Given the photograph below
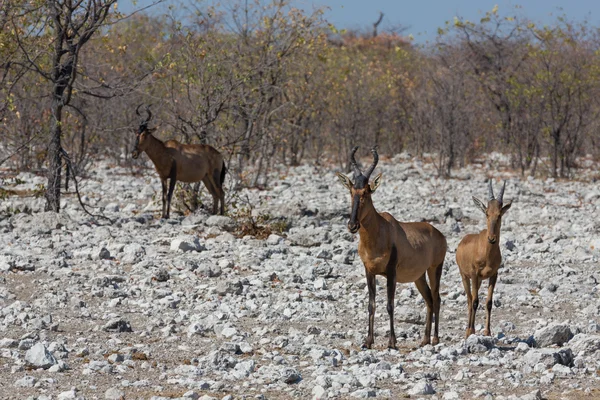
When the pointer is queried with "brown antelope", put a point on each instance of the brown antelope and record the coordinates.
(400, 251)
(478, 256)
(181, 162)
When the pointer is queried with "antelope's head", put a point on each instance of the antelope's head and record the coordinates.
(494, 211)
(142, 133)
(361, 189)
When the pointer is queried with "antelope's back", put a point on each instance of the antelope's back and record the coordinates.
(425, 238)
(194, 161)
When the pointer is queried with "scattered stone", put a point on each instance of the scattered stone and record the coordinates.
(553, 334)
(114, 394)
(421, 388)
(117, 325)
(39, 357)
(187, 243)
(26, 381)
(479, 344)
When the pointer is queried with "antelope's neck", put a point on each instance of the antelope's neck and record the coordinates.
(370, 223)
(155, 150)
(492, 251)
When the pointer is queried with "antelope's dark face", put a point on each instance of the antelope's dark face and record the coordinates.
(142, 133)
(360, 194)
(360, 190)
(494, 211)
(141, 141)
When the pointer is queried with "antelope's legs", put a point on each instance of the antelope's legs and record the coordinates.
(219, 187)
(489, 303)
(195, 192)
(172, 182)
(475, 285)
(391, 292)
(371, 285)
(421, 284)
(467, 284)
(210, 185)
(435, 277)
(164, 198)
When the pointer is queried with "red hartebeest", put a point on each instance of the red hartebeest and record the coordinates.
(181, 162)
(400, 251)
(478, 256)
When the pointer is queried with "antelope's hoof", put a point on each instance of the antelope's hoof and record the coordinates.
(487, 333)
(435, 341)
(469, 332)
(424, 342)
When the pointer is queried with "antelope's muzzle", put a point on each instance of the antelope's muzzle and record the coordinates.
(353, 224)
(492, 239)
(135, 154)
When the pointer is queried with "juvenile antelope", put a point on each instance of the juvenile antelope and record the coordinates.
(181, 162)
(478, 256)
(400, 251)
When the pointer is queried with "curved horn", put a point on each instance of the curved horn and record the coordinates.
(137, 110)
(149, 113)
(375, 161)
(501, 193)
(490, 191)
(353, 162)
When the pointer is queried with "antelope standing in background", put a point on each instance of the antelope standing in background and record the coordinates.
(400, 251)
(478, 256)
(181, 162)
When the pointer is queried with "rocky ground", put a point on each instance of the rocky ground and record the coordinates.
(216, 307)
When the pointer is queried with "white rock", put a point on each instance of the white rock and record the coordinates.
(553, 334)
(38, 356)
(26, 381)
(421, 388)
(319, 393)
(187, 243)
(114, 393)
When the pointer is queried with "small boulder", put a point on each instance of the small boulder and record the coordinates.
(114, 393)
(117, 325)
(421, 388)
(554, 334)
(38, 356)
(479, 344)
(187, 243)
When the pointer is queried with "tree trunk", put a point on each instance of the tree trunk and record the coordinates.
(54, 159)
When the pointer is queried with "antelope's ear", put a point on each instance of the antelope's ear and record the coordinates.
(376, 182)
(345, 180)
(480, 204)
(505, 207)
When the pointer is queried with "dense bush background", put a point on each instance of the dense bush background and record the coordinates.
(269, 84)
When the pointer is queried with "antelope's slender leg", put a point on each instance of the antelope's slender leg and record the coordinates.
(371, 285)
(475, 285)
(164, 198)
(435, 276)
(391, 293)
(467, 284)
(195, 192)
(172, 182)
(489, 303)
(210, 185)
(219, 187)
(421, 284)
